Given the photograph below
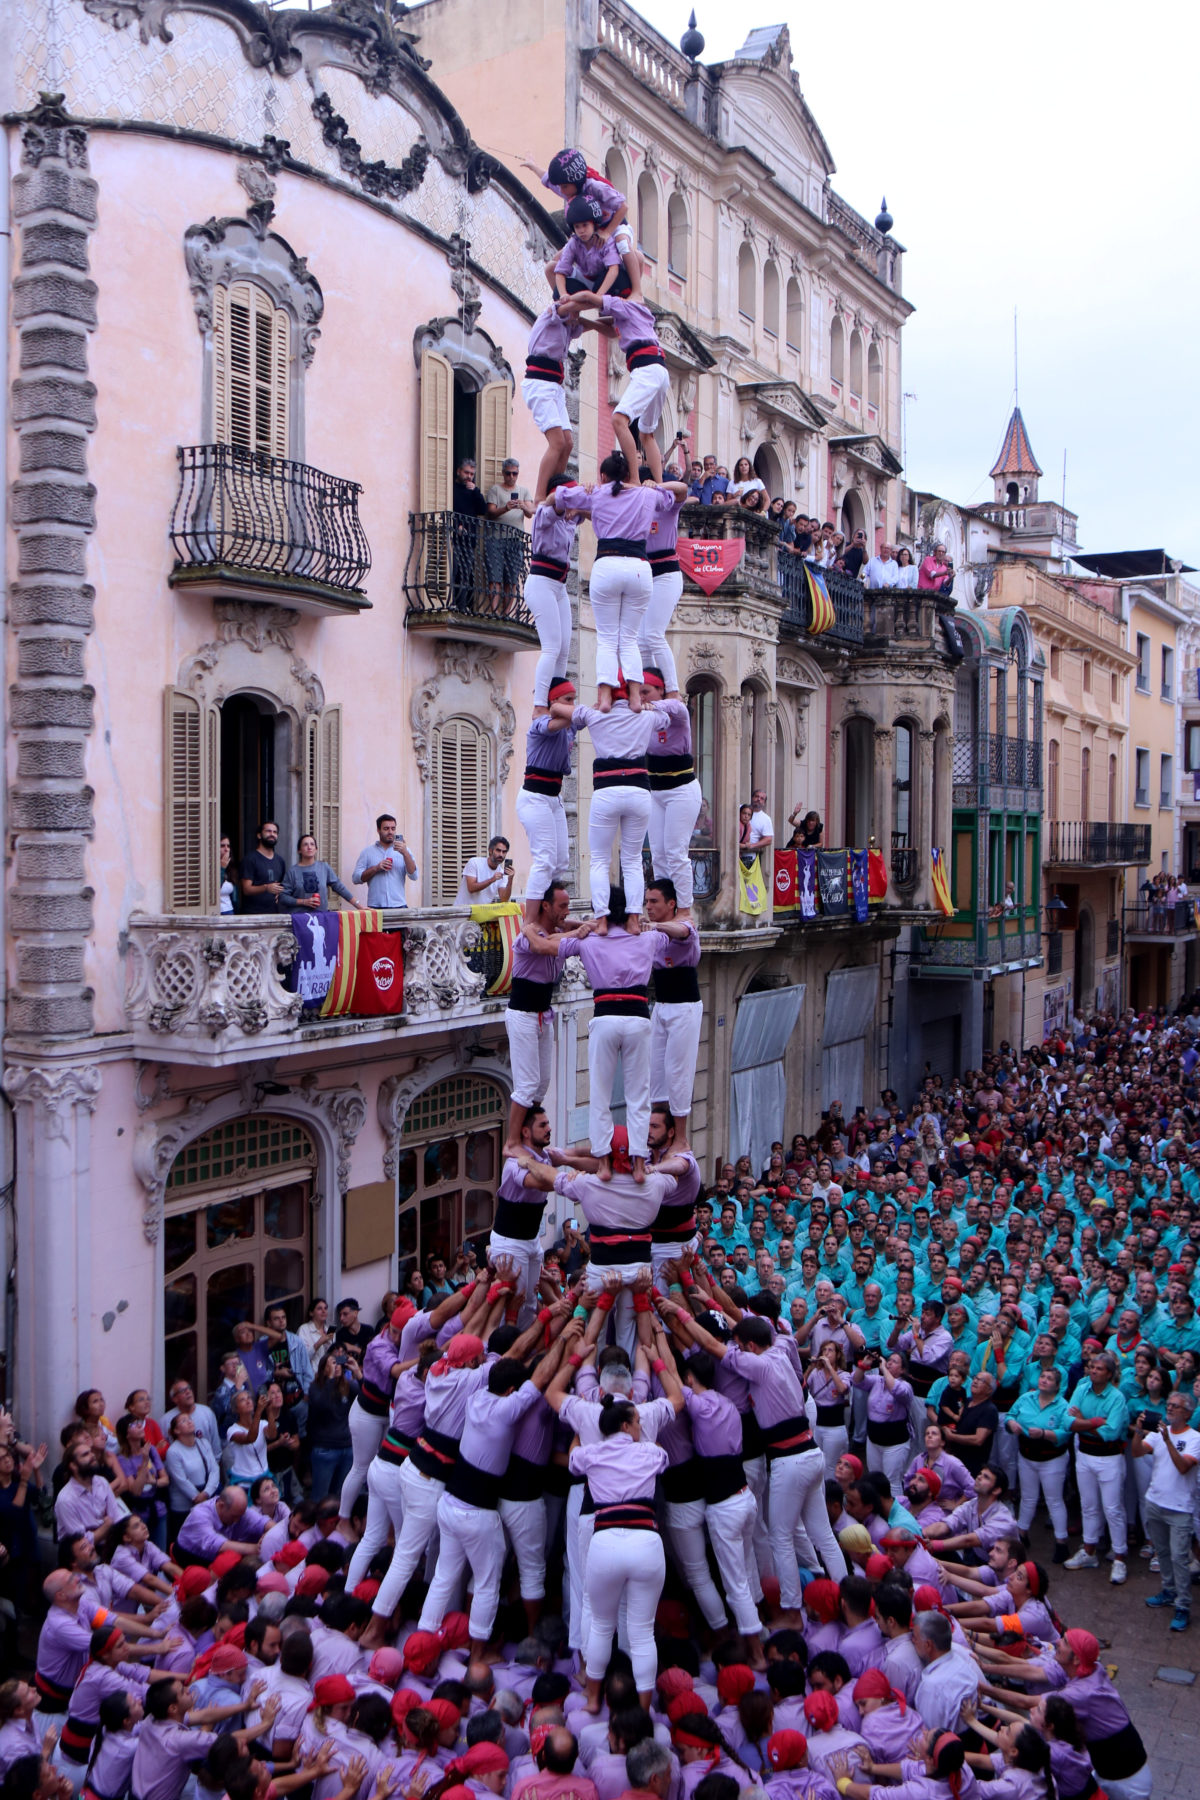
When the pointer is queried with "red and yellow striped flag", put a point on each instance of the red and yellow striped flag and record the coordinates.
(501, 922)
(822, 606)
(941, 885)
(351, 926)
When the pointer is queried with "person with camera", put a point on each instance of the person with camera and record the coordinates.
(386, 865)
(487, 879)
(889, 1398)
(307, 883)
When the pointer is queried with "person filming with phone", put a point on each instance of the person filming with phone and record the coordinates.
(487, 879)
(386, 865)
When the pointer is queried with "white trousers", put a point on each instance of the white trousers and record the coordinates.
(661, 1254)
(1048, 1478)
(673, 815)
(731, 1526)
(525, 1254)
(689, 1552)
(629, 1567)
(834, 1441)
(674, 1050)
(531, 1053)
(890, 1460)
(420, 1507)
(664, 598)
(385, 1512)
(550, 605)
(1133, 1787)
(619, 589)
(525, 1523)
(574, 1584)
(472, 1537)
(622, 1315)
(544, 821)
(798, 1522)
(366, 1435)
(629, 1039)
(1102, 1497)
(622, 812)
(756, 1475)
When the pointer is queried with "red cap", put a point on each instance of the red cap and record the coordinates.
(225, 1563)
(314, 1581)
(421, 1650)
(192, 1582)
(620, 1151)
(332, 1690)
(456, 1631)
(734, 1682)
(821, 1711)
(228, 1659)
(787, 1749)
(290, 1556)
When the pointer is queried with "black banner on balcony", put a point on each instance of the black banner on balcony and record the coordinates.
(831, 879)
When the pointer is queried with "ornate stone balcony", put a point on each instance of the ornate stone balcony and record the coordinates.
(211, 991)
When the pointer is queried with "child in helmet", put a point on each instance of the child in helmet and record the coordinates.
(570, 177)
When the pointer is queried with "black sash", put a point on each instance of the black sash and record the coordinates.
(664, 562)
(542, 781)
(621, 1003)
(630, 1515)
(674, 771)
(886, 1432)
(530, 996)
(676, 987)
(523, 1480)
(611, 1250)
(1098, 1446)
(395, 1447)
(543, 368)
(434, 1454)
(374, 1401)
(674, 1224)
(1118, 1757)
(640, 354)
(721, 1477)
(474, 1487)
(631, 547)
(787, 1437)
(518, 1218)
(549, 566)
(614, 771)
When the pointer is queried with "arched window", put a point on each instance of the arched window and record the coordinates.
(616, 172)
(647, 209)
(1052, 780)
(1112, 790)
(837, 351)
(702, 700)
(1085, 786)
(747, 282)
(859, 740)
(795, 314)
(251, 369)
(771, 299)
(856, 364)
(447, 1167)
(677, 235)
(461, 780)
(874, 376)
(902, 790)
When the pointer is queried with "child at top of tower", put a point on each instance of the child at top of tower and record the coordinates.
(569, 176)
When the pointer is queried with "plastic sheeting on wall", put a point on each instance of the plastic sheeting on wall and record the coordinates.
(757, 1113)
(850, 1000)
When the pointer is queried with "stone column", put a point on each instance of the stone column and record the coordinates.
(53, 1106)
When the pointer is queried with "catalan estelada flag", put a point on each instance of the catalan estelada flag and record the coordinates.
(822, 606)
(326, 963)
(941, 883)
(501, 922)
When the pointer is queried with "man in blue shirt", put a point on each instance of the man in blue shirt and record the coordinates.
(386, 865)
(710, 483)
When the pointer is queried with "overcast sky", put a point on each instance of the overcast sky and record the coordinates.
(1041, 157)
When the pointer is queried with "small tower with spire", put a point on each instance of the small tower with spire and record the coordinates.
(1015, 471)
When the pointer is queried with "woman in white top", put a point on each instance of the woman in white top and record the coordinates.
(315, 1334)
(907, 578)
(744, 479)
(246, 1439)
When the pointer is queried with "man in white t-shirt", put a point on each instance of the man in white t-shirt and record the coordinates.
(762, 831)
(486, 879)
(1170, 1503)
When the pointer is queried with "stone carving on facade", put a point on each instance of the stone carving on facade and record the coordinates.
(192, 980)
(346, 1110)
(731, 714)
(260, 191)
(398, 1092)
(222, 251)
(155, 1147)
(470, 295)
(469, 666)
(802, 700)
(160, 1085)
(650, 158)
(265, 631)
(620, 134)
(150, 16)
(703, 657)
(54, 1092)
(375, 178)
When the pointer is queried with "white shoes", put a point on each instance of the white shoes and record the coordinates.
(1119, 1572)
(1082, 1559)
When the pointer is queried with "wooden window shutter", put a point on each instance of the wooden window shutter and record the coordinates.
(323, 784)
(221, 426)
(281, 349)
(437, 432)
(191, 786)
(492, 417)
(461, 803)
(251, 370)
(241, 366)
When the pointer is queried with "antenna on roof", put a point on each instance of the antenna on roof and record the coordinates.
(1064, 493)
(1016, 377)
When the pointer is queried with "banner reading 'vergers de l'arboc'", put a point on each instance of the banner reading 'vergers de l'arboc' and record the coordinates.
(709, 560)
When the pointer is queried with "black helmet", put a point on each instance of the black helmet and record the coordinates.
(570, 167)
(582, 211)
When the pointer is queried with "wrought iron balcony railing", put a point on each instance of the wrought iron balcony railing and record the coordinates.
(845, 593)
(1094, 844)
(1160, 918)
(468, 574)
(246, 521)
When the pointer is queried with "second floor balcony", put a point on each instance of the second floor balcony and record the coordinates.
(465, 577)
(1158, 920)
(213, 991)
(250, 526)
(846, 596)
(985, 761)
(1096, 844)
(954, 946)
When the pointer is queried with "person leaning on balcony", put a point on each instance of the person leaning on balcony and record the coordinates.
(385, 865)
(487, 879)
(762, 832)
(936, 573)
(906, 569)
(705, 486)
(882, 571)
(307, 882)
(508, 503)
(806, 832)
(230, 886)
(262, 872)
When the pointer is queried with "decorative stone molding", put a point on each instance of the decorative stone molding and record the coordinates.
(222, 667)
(731, 714)
(651, 159)
(703, 657)
(374, 178)
(222, 251)
(192, 982)
(54, 1091)
(455, 690)
(53, 410)
(398, 1092)
(465, 347)
(346, 1110)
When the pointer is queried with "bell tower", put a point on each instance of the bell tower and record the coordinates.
(1015, 471)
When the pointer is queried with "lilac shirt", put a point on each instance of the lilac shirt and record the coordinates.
(553, 536)
(892, 1735)
(609, 199)
(620, 959)
(97, 1681)
(538, 965)
(491, 1425)
(958, 1483)
(716, 1423)
(408, 1404)
(135, 1564)
(164, 1758)
(883, 1407)
(629, 513)
(587, 258)
(997, 1522)
(618, 1469)
(381, 1353)
(552, 335)
(664, 532)
(672, 736)
(1098, 1706)
(935, 1355)
(80, 1508)
(633, 319)
(20, 1737)
(203, 1534)
(774, 1384)
(549, 750)
(447, 1396)
(620, 732)
(619, 1204)
(512, 1179)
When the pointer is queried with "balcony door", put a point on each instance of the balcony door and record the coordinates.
(448, 1169)
(859, 782)
(250, 731)
(463, 417)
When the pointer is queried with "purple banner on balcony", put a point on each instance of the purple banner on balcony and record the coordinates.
(859, 882)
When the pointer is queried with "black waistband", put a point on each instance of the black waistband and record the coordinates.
(676, 987)
(530, 996)
(434, 1454)
(631, 547)
(395, 1447)
(886, 1432)
(644, 351)
(521, 1219)
(537, 369)
(76, 1738)
(612, 1249)
(630, 1515)
(1117, 1757)
(675, 771)
(373, 1401)
(549, 566)
(523, 1480)
(663, 561)
(618, 771)
(678, 1482)
(787, 1437)
(1098, 1446)
(54, 1695)
(1040, 1450)
(474, 1487)
(621, 1003)
(832, 1415)
(721, 1477)
(543, 781)
(752, 1437)
(674, 1224)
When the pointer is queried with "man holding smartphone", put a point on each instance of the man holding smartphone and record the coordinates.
(510, 504)
(487, 879)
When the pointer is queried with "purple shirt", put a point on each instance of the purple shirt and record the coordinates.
(609, 199)
(587, 258)
(620, 959)
(862, 1647)
(774, 1384)
(935, 1355)
(164, 1758)
(629, 513)
(634, 322)
(203, 1534)
(552, 335)
(664, 532)
(533, 1441)
(958, 1483)
(20, 1737)
(618, 1471)
(491, 1425)
(883, 1407)
(997, 1522)
(619, 733)
(892, 1735)
(135, 1564)
(381, 1353)
(672, 736)
(552, 535)
(619, 1204)
(447, 1396)
(539, 965)
(84, 1508)
(550, 750)
(716, 1423)
(97, 1681)
(902, 1666)
(408, 1404)
(1098, 1706)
